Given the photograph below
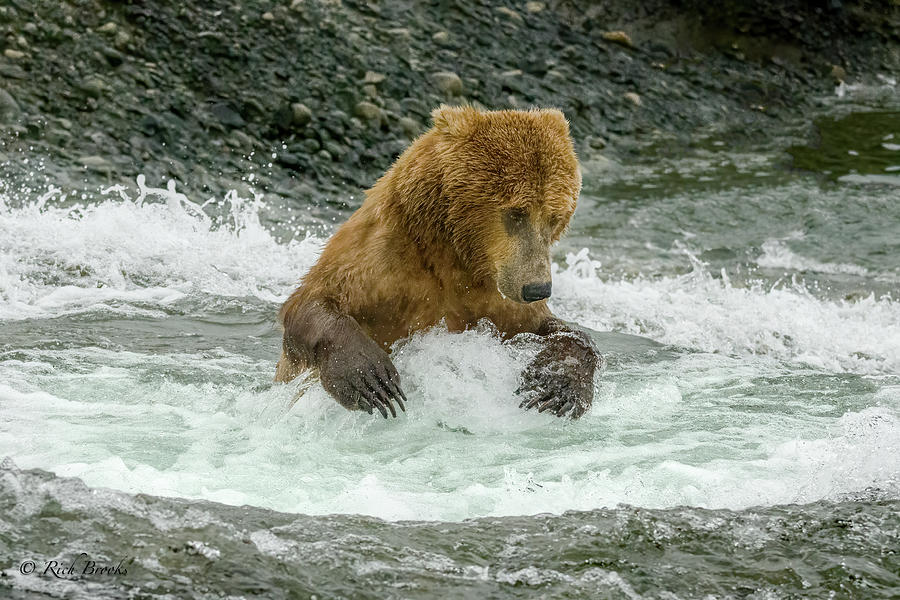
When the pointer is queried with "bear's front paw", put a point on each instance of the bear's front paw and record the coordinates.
(363, 379)
(561, 377)
(556, 388)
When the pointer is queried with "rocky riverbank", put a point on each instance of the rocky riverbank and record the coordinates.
(310, 99)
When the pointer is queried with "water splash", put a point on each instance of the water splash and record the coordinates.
(57, 258)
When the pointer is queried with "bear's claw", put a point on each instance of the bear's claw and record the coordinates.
(364, 379)
(560, 378)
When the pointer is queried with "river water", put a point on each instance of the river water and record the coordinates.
(744, 440)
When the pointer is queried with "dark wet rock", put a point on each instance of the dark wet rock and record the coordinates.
(838, 73)
(226, 114)
(95, 163)
(289, 159)
(300, 114)
(93, 87)
(311, 146)
(448, 82)
(215, 81)
(58, 137)
(113, 56)
(409, 126)
(9, 108)
(368, 111)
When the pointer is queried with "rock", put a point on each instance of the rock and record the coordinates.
(633, 98)
(92, 87)
(368, 111)
(596, 142)
(300, 114)
(556, 74)
(288, 159)
(410, 127)
(58, 137)
(838, 73)
(441, 37)
(95, 163)
(226, 115)
(448, 82)
(267, 16)
(311, 145)
(9, 108)
(108, 28)
(239, 139)
(618, 37)
(113, 56)
(535, 7)
(400, 32)
(333, 149)
(123, 38)
(373, 77)
(149, 124)
(508, 12)
(370, 90)
(13, 54)
(597, 163)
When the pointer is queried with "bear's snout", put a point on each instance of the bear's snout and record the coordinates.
(532, 292)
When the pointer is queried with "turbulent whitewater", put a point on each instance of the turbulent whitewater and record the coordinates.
(743, 370)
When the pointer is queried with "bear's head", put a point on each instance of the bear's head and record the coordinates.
(509, 181)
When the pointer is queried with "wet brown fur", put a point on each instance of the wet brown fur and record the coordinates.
(429, 242)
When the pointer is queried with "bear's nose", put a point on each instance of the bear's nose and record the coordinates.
(532, 292)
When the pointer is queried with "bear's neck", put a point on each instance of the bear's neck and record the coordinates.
(408, 199)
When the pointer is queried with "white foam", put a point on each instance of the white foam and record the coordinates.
(723, 424)
(707, 313)
(699, 430)
(125, 254)
(777, 255)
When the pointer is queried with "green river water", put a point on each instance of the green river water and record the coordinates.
(744, 440)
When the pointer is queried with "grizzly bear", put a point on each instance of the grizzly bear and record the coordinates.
(458, 230)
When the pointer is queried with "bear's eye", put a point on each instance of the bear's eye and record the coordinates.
(518, 214)
(515, 219)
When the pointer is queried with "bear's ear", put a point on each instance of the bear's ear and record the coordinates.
(454, 120)
(555, 120)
